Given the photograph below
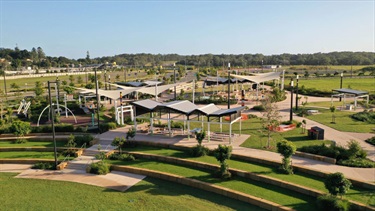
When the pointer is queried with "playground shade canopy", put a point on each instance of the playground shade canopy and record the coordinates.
(260, 77)
(139, 84)
(351, 91)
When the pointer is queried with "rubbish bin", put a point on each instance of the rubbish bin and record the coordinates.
(316, 133)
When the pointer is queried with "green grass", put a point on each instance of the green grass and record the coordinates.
(258, 189)
(148, 194)
(258, 137)
(32, 144)
(343, 121)
(327, 84)
(328, 104)
(356, 194)
(28, 154)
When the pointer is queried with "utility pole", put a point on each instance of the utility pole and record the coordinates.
(97, 100)
(297, 93)
(174, 81)
(52, 113)
(228, 85)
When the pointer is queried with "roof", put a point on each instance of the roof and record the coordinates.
(351, 91)
(226, 112)
(259, 78)
(179, 106)
(146, 104)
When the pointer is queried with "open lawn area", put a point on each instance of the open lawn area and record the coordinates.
(343, 121)
(6, 143)
(149, 194)
(327, 84)
(266, 191)
(29, 154)
(307, 180)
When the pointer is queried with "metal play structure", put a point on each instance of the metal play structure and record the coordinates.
(53, 105)
(25, 106)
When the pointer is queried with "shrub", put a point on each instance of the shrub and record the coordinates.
(86, 138)
(122, 157)
(286, 149)
(337, 184)
(371, 140)
(222, 153)
(131, 133)
(355, 150)
(199, 151)
(100, 168)
(331, 203)
(357, 162)
(20, 128)
(258, 108)
(365, 116)
(251, 116)
(42, 165)
(104, 127)
(20, 141)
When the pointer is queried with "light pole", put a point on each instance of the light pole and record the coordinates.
(228, 85)
(109, 82)
(97, 100)
(297, 77)
(105, 79)
(291, 101)
(52, 112)
(174, 81)
(341, 76)
(5, 84)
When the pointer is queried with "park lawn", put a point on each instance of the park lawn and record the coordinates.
(148, 194)
(328, 84)
(7, 143)
(28, 155)
(255, 188)
(343, 121)
(328, 104)
(300, 178)
(258, 137)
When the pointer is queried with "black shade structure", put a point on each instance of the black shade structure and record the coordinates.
(188, 111)
(350, 92)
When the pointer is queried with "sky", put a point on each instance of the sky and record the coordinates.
(107, 28)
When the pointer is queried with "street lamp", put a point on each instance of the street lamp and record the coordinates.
(174, 81)
(52, 113)
(341, 76)
(297, 77)
(291, 101)
(228, 85)
(97, 99)
(105, 79)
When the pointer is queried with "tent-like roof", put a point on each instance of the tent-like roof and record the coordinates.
(139, 84)
(226, 112)
(179, 106)
(147, 104)
(351, 91)
(259, 78)
(113, 94)
(149, 90)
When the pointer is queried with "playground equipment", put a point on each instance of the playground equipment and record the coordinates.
(25, 106)
(120, 113)
(66, 108)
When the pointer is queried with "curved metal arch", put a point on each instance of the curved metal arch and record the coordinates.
(59, 105)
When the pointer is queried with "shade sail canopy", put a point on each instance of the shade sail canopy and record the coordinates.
(351, 91)
(149, 90)
(145, 106)
(179, 106)
(139, 84)
(259, 78)
(113, 94)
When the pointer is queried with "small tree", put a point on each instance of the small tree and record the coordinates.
(337, 184)
(119, 143)
(271, 117)
(304, 126)
(222, 153)
(286, 149)
(200, 136)
(333, 109)
(131, 133)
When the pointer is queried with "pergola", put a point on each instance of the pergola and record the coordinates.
(351, 92)
(189, 112)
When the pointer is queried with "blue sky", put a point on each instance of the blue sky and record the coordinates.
(106, 28)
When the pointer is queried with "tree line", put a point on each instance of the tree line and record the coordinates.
(37, 58)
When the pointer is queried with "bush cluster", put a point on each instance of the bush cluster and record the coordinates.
(58, 128)
(86, 138)
(332, 203)
(365, 116)
(371, 140)
(258, 108)
(122, 157)
(199, 151)
(104, 127)
(353, 156)
(100, 168)
(42, 165)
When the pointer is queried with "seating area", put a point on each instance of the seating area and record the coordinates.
(216, 136)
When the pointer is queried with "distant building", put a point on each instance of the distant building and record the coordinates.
(271, 66)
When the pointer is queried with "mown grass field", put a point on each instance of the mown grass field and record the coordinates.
(307, 180)
(148, 194)
(258, 189)
(7, 143)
